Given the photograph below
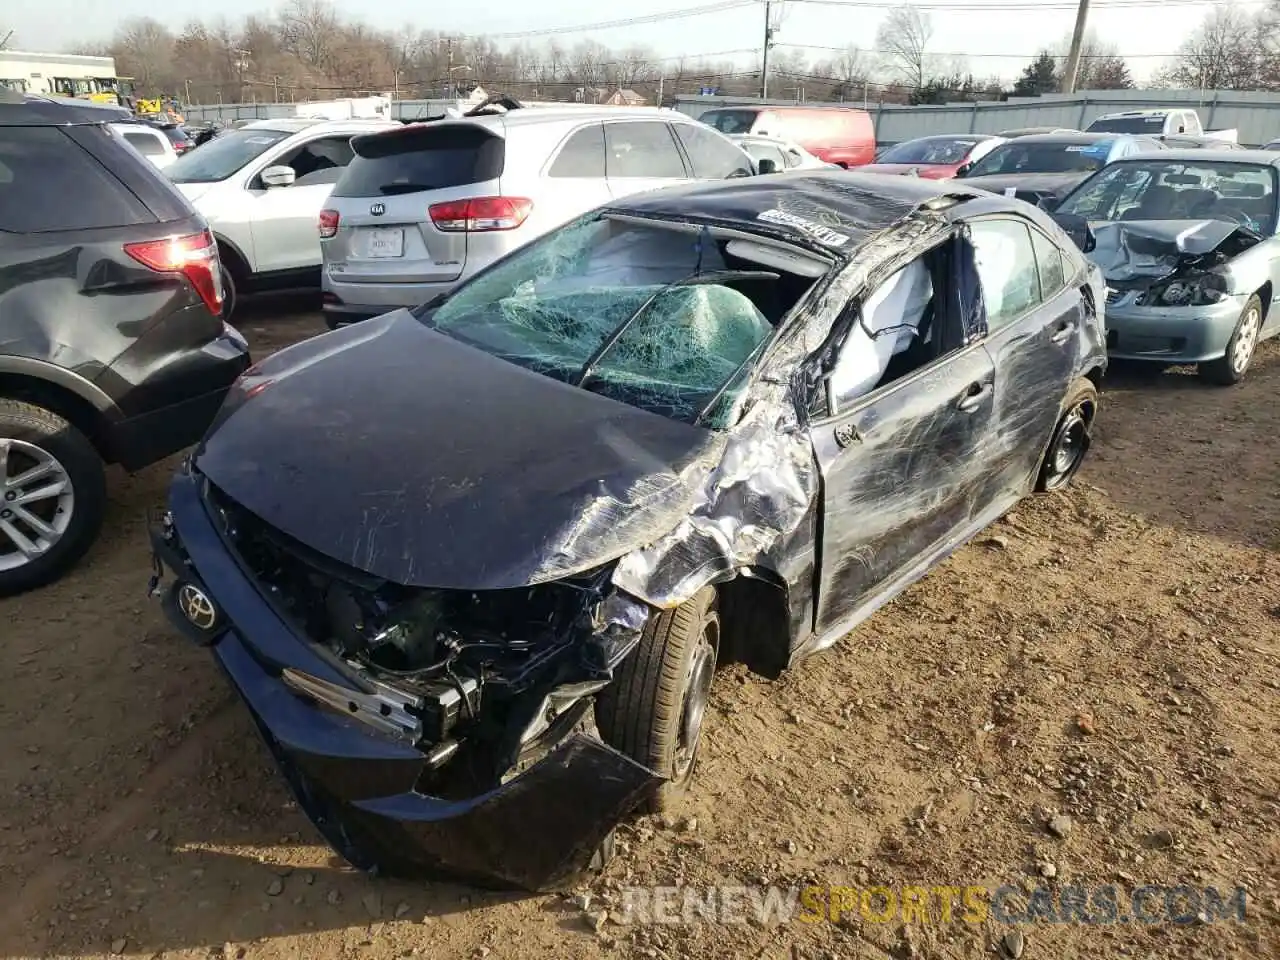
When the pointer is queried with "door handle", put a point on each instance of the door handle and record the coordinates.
(973, 397)
(1063, 333)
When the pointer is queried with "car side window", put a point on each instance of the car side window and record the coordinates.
(642, 148)
(1049, 263)
(319, 161)
(145, 144)
(1007, 269)
(48, 182)
(582, 154)
(711, 155)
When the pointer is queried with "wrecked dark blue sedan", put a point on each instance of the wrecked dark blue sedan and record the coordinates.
(471, 566)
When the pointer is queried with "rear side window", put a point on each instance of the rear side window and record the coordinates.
(425, 157)
(711, 156)
(144, 143)
(582, 154)
(49, 183)
(730, 121)
(642, 149)
(1049, 262)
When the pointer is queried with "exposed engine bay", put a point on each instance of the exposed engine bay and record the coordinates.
(443, 669)
(1172, 263)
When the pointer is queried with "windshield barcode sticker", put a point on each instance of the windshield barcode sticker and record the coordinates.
(831, 238)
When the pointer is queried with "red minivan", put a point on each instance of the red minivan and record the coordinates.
(840, 135)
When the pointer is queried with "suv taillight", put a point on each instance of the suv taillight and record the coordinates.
(480, 214)
(194, 256)
(328, 223)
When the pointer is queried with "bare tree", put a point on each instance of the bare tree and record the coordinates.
(635, 64)
(903, 43)
(588, 61)
(1229, 52)
(309, 29)
(1101, 66)
(144, 49)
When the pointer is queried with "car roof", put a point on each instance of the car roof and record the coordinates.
(298, 124)
(845, 202)
(1194, 155)
(952, 136)
(26, 109)
(529, 116)
(1093, 137)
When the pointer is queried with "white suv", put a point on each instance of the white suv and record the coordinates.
(424, 207)
(261, 188)
(148, 141)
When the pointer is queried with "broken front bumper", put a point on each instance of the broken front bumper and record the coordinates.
(1171, 334)
(536, 831)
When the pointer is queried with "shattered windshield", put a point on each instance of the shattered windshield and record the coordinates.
(1151, 189)
(1039, 156)
(646, 314)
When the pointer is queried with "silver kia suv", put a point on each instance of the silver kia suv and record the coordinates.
(422, 207)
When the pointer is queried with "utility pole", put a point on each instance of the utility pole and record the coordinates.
(1072, 70)
(764, 63)
(448, 46)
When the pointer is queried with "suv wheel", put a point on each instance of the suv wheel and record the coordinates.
(52, 496)
(230, 294)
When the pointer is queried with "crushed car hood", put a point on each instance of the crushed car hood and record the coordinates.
(401, 452)
(1154, 249)
(1028, 185)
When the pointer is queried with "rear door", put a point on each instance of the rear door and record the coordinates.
(712, 156)
(641, 155)
(1033, 327)
(385, 231)
(575, 178)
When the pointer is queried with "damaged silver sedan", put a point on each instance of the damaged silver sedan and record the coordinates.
(1187, 241)
(471, 567)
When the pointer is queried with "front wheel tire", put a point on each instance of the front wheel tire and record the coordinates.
(53, 496)
(655, 707)
(1229, 369)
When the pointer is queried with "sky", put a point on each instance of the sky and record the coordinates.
(995, 42)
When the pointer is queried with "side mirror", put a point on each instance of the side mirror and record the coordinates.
(767, 166)
(963, 169)
(278, 177)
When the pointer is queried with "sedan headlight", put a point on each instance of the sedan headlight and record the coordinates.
(1195, 292)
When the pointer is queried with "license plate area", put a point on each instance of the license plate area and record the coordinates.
(384, 244)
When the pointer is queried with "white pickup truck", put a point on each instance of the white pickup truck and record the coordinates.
(1159, 123)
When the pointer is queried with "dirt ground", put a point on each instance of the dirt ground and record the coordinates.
(1111, 653)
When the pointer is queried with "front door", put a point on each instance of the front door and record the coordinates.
(901, 470)
(286, 219)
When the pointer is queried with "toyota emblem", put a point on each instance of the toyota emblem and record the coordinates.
(197, 607)
(378, 209)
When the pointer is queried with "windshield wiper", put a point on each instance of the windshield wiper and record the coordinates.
(693, 280)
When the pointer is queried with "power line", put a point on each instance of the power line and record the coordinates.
(992, 56)
(1016, 6)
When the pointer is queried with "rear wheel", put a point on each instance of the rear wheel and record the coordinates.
(230, 293)
(654, 709)
(1071, 437)
(52, 496)
(1229, 369)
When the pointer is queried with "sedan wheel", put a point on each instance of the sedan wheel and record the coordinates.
(1230, 368)
(1070, 440)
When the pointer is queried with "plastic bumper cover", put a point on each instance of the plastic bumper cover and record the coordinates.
(536, 831)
